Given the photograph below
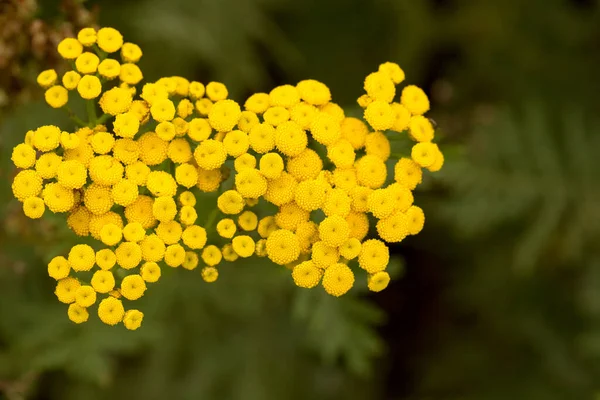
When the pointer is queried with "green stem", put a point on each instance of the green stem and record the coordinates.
(210, 222)
(103, 118)
(99, 52)
(74, 117)
(91, 111)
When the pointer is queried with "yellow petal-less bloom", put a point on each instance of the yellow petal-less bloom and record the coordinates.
(338, 279)
(158, 147)
(306, 275)
(109, 39)
(111, 311)
(133, 319)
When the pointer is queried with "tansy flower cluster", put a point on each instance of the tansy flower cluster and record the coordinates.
(296, 180)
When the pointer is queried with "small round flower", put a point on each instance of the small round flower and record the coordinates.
(236, 143)
(415, 220)
(164, 208)
(403, 117)
(228, 253)
(87, 36)
(72, 174)
(224, 115)
(47, 78)
(109, 40)
(392, 70)
(374, 256)
(105, 170)
(284, 96)
(66, 289)
(79, 221)
(351, 249)
(203, 106)
(126, 125)
(129, 255)
(133, 319)
(303, 114)
(210, 274)
(23, 156)
(98, 199)
(306, 165)
(216, 91)
(47, 165)
(152, 149)
(58, 198)
(70, 80)
(134, 232)
(106, 259)
(209, 180)
(248, 120)
(424, 153)
(153, 248)
(161, 183)
(337, 202)
(313, 92)
(283, 247)
(85, 296)
(281, 190)
(257, 103)
(248, 221)
(323, 255)
(325, 129)
(69, 48)
(103, 281)
(211, 255)
(187, 215)
(196, 90)
(334, 230)
(162, 109)
(69, 141)
(355, 131)
(33, 207)
(381, 203)
(377, 144)
(199, 129)
(338, 279)
(378, 281)
(77, 313)
(59, 268)
(243, 245)
(245, 161)
(380, 115)
(111, 234)
(124, 192)
(306, 275)
(276, 115)
(210, 154)
(341, 154)
(133, 287)
(262, 138)
(46, 138)
(371, 171)
(89, 87)
(81, 257)
(194, 237)
(186, 175)
(87, 63)
(98, 221)
(379, 86)
(358, 224)
(56, 96)
(250, 183)
(230, 202)
(311, 194)
(109, 69)
(130, 74)
(131, 52)
(439, 161)
(271, 165)
(266, 226)
(102, 142)
(111, 311)
(408, 173)
(226, 228)
(290, 138)
(420, 129)
(415, 100)
(191, 260)
(150, 272)
(334, 110)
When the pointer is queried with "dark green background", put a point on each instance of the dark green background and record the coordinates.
(500, 294)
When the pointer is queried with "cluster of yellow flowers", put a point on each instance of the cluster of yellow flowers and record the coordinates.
(131, 177)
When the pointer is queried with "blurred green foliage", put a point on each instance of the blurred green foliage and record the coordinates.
(513, 217)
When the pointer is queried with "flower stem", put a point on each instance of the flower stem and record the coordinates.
(91, 111)
(212, 217)
(103, 118)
